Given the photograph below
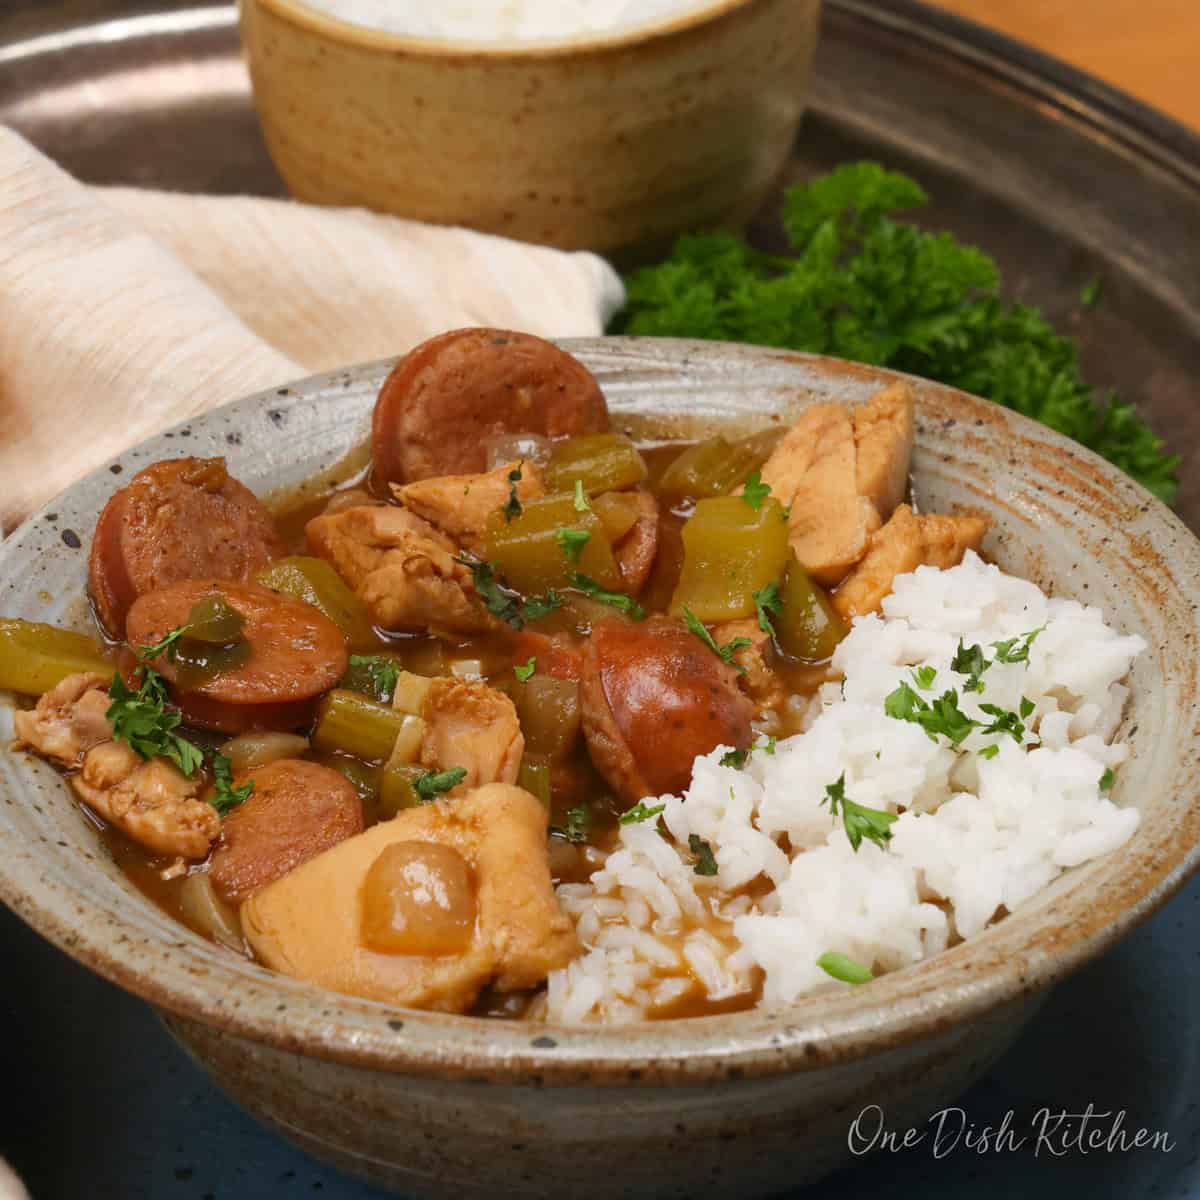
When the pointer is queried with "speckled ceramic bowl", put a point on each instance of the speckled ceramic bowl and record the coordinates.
(733, 1106)
(608, 142)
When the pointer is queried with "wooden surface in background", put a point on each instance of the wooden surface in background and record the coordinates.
(1150, 48)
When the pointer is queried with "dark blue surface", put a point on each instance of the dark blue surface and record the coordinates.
(101, 1103)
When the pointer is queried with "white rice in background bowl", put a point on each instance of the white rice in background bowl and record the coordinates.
(983, 819)
(500, 22)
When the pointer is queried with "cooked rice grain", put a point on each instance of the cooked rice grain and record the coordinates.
(976, 836)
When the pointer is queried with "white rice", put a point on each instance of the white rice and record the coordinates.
(976, 836)
(504, 21)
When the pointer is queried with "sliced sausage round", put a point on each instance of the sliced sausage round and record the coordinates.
(654, 697)
(636, 550)
(185, 518)
(297, 810)
(295, 654)
(449, 395)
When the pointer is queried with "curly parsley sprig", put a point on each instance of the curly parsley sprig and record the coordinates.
(862, 284)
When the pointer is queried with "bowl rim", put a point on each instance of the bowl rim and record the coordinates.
(923, 1001)
(364, 37)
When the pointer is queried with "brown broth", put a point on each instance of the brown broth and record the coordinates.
(576, 783)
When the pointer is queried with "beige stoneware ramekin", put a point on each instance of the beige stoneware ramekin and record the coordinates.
(612, 143)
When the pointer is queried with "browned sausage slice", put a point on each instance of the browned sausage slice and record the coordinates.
(296, 653)
(654, 697)
(446, 397)
(636, 550)
(297, 810)
(184, 518)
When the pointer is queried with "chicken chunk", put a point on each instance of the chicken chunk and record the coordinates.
(756, 678)
(68, 720)
(356, 541)
(404, 570)
(313, 923)
(788, 463)
(460, 505)
(813, 470)
(152, 801)
(842, 471)
(421, 588)
(906, 542)
(883, 443)
(473, 726)
(945, 539)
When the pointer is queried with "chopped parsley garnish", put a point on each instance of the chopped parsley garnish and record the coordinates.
(862, 282)
(706, 863)
(924, 677)
(581, 500)
(577, 828)
(904, 704)
(1027, 706)
(738, 758)
(1090, 292)
(226, 797)
(618, 600)
(436, 783)
(839, 966)
(754, 491)
(726, 652)
(537, 607)
(989, 751)
(1106, 780)
(142, 721)
(1016, 650)
(513, 509)
(1003, 721)
(165, 644)
(944, 716)
(572, 541)
(502, 601)
(767, 601)
(858, 821)
(970, 661)
(639, 813)
(524, 671)
(382, 673)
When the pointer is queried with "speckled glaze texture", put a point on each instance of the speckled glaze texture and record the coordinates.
(739, 1105)
(606, 144)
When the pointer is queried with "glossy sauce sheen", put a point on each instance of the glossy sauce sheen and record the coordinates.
(418, 898)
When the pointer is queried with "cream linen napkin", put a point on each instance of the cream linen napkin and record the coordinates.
(122, 312)
(11, 1187)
